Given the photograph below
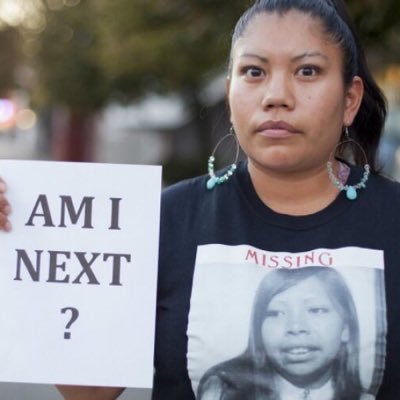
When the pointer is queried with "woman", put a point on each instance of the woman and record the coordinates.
(297, 85)
(304, 341)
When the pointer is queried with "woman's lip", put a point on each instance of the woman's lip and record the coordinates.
(276, 133)
(300, 354)
(300, 350)
(276, 129)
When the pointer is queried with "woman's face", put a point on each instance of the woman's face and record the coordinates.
(303, 332)
(286, 92)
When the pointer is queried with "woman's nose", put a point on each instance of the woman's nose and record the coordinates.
(278, 92)
(296, 323)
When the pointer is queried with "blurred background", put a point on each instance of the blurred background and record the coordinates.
(142, 81)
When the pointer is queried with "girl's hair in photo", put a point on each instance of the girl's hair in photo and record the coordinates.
(369, 122)
(250, 375)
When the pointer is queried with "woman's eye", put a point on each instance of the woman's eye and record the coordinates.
(308, 71)
(273, 313)
(318, 310)
(253, 72)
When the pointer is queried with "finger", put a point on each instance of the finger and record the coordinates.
(5, 224)
(3, 186)
(5, 207)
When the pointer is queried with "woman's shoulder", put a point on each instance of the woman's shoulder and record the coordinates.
(381, 200)
(220, 378)
(383, 189)
(197, 187)
(183, 199)
(385, 181)
(236, 378)
(182, 189)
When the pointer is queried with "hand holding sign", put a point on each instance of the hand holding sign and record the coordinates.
(78, 250)
(4, 208)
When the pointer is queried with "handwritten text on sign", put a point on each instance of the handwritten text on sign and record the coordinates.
(78, 273)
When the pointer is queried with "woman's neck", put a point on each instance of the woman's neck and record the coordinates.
(323, 390)
(300, 193)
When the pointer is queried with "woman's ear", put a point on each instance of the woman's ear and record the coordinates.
(227, 91)
(227, 86)
(353, 98)
(345, 334)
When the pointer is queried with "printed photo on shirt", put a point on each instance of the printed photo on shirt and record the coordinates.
(308, 332)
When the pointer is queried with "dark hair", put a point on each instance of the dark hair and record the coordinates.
(369, 122)
(250, 374)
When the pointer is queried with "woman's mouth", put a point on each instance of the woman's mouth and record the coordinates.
(299, 353)
(276, 129)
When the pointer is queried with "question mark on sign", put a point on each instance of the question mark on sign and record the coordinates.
(74, 317)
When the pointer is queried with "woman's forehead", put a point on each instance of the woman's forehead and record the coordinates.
(305, 289)
(291, 31)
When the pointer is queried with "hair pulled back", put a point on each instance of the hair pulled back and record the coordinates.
(368, 125)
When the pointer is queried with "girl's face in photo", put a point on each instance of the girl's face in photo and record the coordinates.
(287, 94)
(303, 332)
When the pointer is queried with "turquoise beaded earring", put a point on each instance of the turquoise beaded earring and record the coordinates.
(351, 190)
(215, 180)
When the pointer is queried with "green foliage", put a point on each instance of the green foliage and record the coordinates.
(66, 61)
(10, 56)
(376, 20)
(163, 46)
(122, 48)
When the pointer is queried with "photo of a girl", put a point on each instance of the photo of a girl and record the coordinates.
(303, 343)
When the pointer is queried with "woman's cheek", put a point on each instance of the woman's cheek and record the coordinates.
(272, 329)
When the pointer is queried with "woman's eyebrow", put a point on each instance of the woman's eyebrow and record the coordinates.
(296, 58)
(253, 55)
(309, 54)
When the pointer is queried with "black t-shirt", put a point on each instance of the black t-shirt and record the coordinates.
(216, 248)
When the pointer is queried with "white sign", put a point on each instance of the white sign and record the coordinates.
(78, 273)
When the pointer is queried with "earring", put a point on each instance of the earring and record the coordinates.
(218, 180)
(351, 190)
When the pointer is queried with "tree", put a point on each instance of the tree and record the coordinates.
(379, 26)
(70, 76)
(174, 46)
(10, 57)
(96, 50)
